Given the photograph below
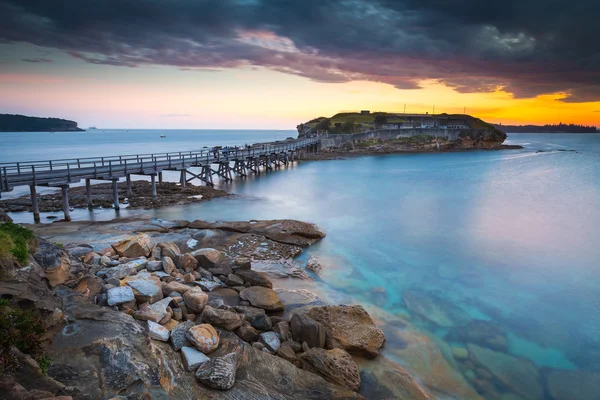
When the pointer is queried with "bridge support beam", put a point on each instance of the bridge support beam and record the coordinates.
(115, 183)
(129, 191)
(153, 180)
(34, 204)
(183, 178)
(65, 197)
(88, 193)
(160, 177)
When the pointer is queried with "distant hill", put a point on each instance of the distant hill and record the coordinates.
(22, 123)
(558, 128)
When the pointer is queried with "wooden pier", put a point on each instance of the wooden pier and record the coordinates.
(222, 161)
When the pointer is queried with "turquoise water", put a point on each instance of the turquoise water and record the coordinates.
(509, 237)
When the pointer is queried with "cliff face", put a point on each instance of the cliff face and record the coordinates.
(22, 123)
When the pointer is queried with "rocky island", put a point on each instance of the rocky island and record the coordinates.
(22, 123)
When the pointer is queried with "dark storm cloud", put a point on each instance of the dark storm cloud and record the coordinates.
(36, 60)
(527, 47)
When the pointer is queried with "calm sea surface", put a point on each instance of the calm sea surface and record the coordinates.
(506, 237)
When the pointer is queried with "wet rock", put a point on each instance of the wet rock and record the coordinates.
(120, 295)
(204, 337)
(137, 246)
(192, 358)
(571, 385)
(283, 330)
(153, 266)
(293, 299)
(241, 263)
(247, 332)
(255, 278)
(195, 300)
(520, 375)
(336, 366)
(186, 262)
(434, 309)
(169, 249)
(218, 373)
(234, 280)
(262, 297)
(145, 288)
(168, 265)
(54, 261)
(262, 322)
(158, 332)
(178, 334)
(306, 329)
(248, 311)
(350, 328)
(313, 264)
(270, 340)
(226, 319)
(209, 258)
(229, 296)
(154, 312)
(482, 333)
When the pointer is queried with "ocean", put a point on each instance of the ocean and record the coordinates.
(493, 253)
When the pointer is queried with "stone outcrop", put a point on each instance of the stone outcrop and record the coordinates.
(306, 329)
(336, 366)
(55, 262)
(350, 328)
(137, 246)
(262, 297)
(255, 278)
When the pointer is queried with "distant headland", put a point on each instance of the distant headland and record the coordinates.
(22, 123)
(556, 128)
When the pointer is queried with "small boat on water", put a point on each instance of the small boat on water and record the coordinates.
(163, 136)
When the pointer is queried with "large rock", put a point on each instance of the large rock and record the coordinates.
(178, 287)
(229, 296)
(350, 328)
(434, 309)
(247, 332)
(192, 358)
(204, 337)
(262, 297)
(168, 249)
(186, 262)
(225, 319)
(146, 288)
(270, 340)
(195, 300)
(154, 312)
(168, 264)
(336, 366)
(573, 385)
(249, 312)
(54, 261)
(178, 334)
(137, 246)
(255, 278)
(209, 258)
(123, 270)
(520, 375)
(306, 329)
(313, 264)
(120, 295)
(158, 332)
(219, 372)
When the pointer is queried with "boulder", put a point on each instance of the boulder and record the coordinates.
(158, 332)
(262, 322)
(229, 296)
(204, 337)
(54, 261)
(208, 284)
(221, 269)
(306, 329)
(247, 332)
(241, 263)
(283, 330)
(219, 372)
(168, 264)
(78, 250)
(255, 278)
(156, 253)
(287, 353)
(154, 266)
(168, 249)
(313, 264)
(262, 297)
(234, 280)
(350, 328)
(520, 375)
(209, 258)
(270, 340)
(225, 319)
(248, 311)
(137, 246)
(145, 288)
(154, 312)
(120, 295)
(177, 287)
(336, 366)
(195, 300)
(192, 358)
(123, 270)
(178, 334)
(186, 262)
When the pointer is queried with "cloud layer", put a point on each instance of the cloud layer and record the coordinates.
(526, 47)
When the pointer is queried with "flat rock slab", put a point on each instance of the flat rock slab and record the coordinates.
(120, 295)
(336, 366)
(158, 332)
(262, 297)
(146, 288)
(192, 358)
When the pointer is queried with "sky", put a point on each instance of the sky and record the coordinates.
(272, 64)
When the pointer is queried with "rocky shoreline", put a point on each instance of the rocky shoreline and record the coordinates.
(155, 309)
(169, 194)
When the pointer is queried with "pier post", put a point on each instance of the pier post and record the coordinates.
(183, 177)
(153, 179)
(65, 196)
(34, 204)
(116, 193)
(129, 185)
(88, 193)
(160, 177)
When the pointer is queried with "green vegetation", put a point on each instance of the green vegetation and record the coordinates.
(22, 123)
(24, 330)
(16, 241)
